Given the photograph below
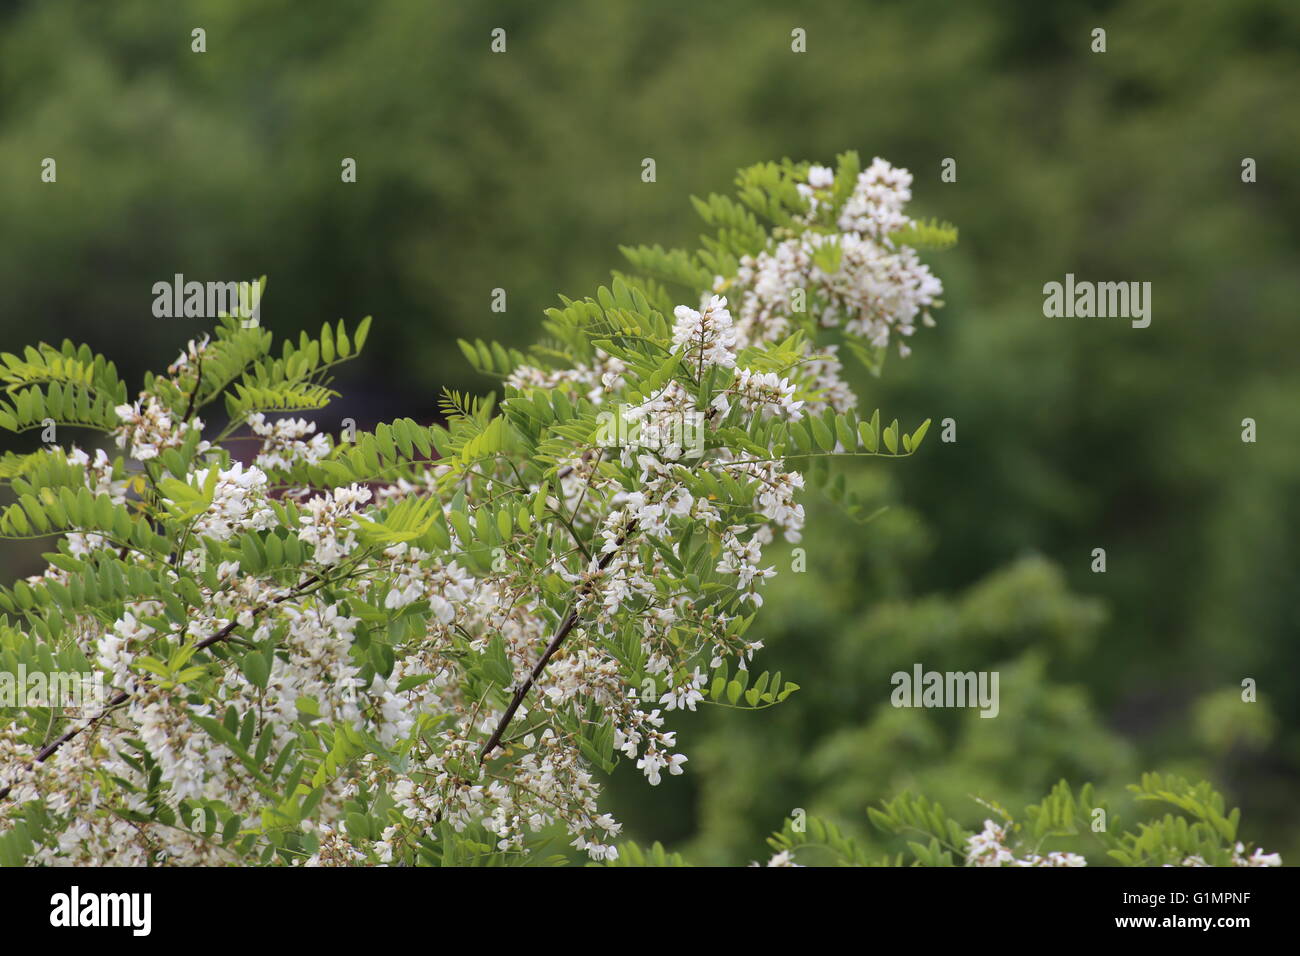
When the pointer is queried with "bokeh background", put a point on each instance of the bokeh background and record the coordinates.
(522, 171)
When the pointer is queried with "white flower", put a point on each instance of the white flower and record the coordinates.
(654, 761)
(327, 524)
(767, 393)
(147, 429)
(283, 444)
(685, 696)
(783, 859)
(988, 848)
(709, 336)
(239, 502)
(1258, 858)
(821, 177)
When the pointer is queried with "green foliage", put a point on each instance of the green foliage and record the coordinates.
(392, 451)
(766, 690)
(69, 385)
(1200, 835)
(813, 833)
(1202, 831)
(632, 855)
(834, 754)
(927, 235)
(908, 814)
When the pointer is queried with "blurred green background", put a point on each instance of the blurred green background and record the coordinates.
(522, 171)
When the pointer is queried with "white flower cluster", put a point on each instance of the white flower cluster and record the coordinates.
(148, 428)
(667, 421)
(99, 473)
(763, 393)
(239, 503)
(707, 336)
(989, 848)
(367, 643)
(877, 288)
(1239, 858)
(593, 381)
(328, 526)
(820, 179)
(100, 480)
(742, 558)
(287, 442)
(875, 208)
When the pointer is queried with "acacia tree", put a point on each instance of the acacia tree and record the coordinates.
(424, 644)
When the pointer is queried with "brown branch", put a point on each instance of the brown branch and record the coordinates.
(121, 697)
(49, 749)
(567, 625)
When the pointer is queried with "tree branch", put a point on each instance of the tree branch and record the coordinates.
(121, 697)
(567, 625)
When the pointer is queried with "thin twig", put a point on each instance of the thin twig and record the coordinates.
(569, 622)
(121, 697)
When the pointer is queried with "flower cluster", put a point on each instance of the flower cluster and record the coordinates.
(287, 442)
(855, 276)
(431, 640)
(1239, 858)
(239, 502)
(707, 336)
(989, 848)
(147, 428)
(327, 525)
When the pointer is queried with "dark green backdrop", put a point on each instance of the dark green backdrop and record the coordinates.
(522, 171)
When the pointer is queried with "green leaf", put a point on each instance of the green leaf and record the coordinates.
(891, 438)
(919, 434)
(256, 668)
(825, 440)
